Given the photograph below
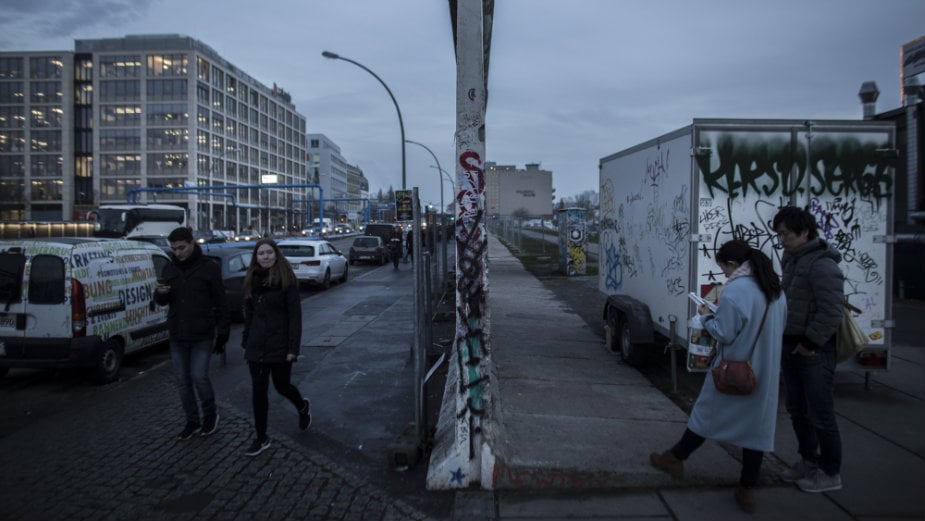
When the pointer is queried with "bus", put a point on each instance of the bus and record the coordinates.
(131, 220)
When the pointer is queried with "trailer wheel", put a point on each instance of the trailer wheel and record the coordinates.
(632, 354)
(108, 362)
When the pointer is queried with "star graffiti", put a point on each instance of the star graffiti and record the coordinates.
(457, 475)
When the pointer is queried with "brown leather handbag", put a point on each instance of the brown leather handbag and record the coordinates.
(737, 376)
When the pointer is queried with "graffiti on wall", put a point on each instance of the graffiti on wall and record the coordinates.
(836, 166)
(471, 296)
(573, 241)
(654, 221)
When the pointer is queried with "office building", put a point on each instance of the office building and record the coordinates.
(150, 117)
(511, 191)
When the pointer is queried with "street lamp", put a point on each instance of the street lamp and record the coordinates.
(401, 124)
(442, 208)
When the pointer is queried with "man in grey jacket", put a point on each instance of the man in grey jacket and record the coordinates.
(814, 286)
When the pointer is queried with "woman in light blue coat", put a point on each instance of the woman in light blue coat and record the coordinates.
(748, 421)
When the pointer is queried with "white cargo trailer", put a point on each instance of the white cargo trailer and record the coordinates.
(669, 203)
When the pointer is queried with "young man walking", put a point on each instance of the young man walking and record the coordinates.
(198, 324)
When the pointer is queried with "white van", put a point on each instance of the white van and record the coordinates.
(78, 302)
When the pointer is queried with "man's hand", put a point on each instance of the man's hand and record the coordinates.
(220, 340)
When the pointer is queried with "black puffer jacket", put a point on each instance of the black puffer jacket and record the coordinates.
(272, 321)
(814, 286)
(198, 307)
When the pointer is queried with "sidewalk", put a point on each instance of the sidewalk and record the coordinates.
(573, 427)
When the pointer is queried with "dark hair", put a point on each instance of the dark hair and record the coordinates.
(739, 251)
(797, 220)
(280, 274)
(182, 233)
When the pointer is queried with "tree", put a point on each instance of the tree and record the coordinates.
(521, 214)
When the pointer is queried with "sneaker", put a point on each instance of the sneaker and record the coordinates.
(668, 462)
(305, 416)
(258, 446)
(819, 481)
(798, 471)
(188, 431)
(209, 425)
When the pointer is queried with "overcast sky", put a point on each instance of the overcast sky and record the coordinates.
(569, 83)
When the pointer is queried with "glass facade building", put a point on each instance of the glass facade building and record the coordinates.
(148, 118)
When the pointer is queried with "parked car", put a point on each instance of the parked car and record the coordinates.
(314, 231)
(368, 248)
(158, 240)
(315, 261)
(234, 263)
(247, 235)
(210, 237)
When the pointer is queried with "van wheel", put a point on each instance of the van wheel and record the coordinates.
(632, 354)
(108, 362)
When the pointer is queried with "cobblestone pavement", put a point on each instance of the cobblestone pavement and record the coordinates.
(115, 457)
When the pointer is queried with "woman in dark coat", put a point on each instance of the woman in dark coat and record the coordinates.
(272, 335)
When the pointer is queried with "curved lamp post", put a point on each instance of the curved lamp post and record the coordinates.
(442, 209)
(401, 124)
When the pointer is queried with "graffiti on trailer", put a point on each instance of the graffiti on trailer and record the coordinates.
(471, 297)
(840, 166)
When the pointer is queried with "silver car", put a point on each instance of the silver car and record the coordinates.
(315, 261)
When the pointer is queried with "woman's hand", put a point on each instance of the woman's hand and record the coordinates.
(703, 309)
(291, 357)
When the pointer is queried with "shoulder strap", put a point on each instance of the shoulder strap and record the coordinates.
(760, 327)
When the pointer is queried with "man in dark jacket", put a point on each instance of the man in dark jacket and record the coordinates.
(198, 325)
(814, 286)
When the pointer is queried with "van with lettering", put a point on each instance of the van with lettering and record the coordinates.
(668, 204)
(78, 303)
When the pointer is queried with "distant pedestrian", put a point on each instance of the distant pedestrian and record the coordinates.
(814, 285)
(395, 246)
(198, 325)
(747, 324)
(272, 336)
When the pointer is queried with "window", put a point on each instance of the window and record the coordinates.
(47, 165)
(203, 70)
(83, 69)
(218, 100)
(171, 164)
(120, 90)
(46, 140)
(120, 115)
(46, 280)
(45, 67)
(167, 138)
(12, 117)
(83, 94)
(120, 165)
(167, 89)
(117, 189)
(120, 139)
(120, 66)
(218, 78)
(11, 68)
(168, 65)
(12, 166)
(46, 189)
(12, 141)
(161, 114)
(43, 117)
(202, 141)
(202, 117)
(45, 92)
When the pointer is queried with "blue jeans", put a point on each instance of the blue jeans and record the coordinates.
(809, 386)
(191, 367)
